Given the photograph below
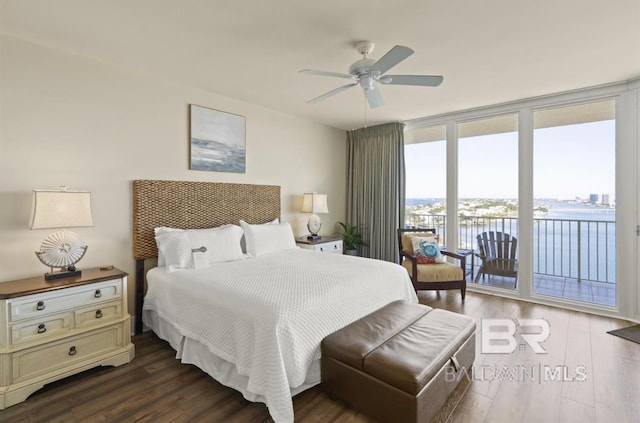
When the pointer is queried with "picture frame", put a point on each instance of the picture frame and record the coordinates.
(217, 140)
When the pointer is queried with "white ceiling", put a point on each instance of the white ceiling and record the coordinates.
(489, 51)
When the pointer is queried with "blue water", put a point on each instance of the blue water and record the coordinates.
(578, 211)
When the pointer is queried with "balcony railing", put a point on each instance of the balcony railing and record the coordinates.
(577, 249)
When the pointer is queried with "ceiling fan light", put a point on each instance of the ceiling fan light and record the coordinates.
(367, 83)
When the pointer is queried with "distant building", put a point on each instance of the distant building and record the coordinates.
(593, 198)
(605, 199)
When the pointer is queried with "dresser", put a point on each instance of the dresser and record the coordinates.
(326, 244)
(53, 329)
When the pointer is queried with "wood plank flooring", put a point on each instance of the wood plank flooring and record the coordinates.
(156, 387)
(609, 392)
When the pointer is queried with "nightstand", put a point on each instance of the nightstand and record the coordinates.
(53, 329)
(326, 244)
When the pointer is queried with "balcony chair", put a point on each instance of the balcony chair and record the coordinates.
(497, 252)
(430, 276)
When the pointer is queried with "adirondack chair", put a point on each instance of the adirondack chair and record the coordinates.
(497, 251)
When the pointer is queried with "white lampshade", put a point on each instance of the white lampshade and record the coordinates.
(60, 209)
(314, 203)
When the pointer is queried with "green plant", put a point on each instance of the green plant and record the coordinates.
(350, 236)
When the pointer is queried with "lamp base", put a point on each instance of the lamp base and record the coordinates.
(314, 224)
(313, 237)
(62, 274)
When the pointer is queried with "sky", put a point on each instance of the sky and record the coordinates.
(569, 161)
(213, 125)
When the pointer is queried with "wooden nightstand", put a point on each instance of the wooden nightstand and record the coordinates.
(53, 329)
(326, 244)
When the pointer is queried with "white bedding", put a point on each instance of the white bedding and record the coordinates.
(267, 315)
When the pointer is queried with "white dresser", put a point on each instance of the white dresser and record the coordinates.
(325, 244)
(53, 329)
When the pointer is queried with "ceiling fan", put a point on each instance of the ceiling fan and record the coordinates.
(368, 73)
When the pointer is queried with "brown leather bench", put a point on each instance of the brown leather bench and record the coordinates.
(399, 363)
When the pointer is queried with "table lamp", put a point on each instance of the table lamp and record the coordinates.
(314, 203)
(61, 209)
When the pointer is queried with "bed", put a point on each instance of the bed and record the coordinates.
(253, 324)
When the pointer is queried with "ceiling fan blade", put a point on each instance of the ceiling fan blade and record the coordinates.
(326, 73)
(374, 97)
(332, 92)
(394, 56)
(422, 80)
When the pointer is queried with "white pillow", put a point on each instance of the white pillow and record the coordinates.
(243, 241)
(221, 244)
(269, 238)
(159, 231)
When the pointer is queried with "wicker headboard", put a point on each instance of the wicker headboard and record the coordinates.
(192, 205)
(196, 205)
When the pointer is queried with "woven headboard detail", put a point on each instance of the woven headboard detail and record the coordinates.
(196, 205)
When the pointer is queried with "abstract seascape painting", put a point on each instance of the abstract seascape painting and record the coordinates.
(218, 142)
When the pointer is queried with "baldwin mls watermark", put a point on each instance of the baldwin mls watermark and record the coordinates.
(498, 336)
(538, 373)
(505, 336)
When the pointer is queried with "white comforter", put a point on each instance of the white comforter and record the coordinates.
(267, 315)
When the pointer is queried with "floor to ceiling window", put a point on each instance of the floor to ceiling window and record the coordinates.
(426, 179)
(488, 198)
(574, 173)
(558, 174)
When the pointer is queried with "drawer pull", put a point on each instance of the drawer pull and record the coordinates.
(40, 305)
(72, 351)
(98, 314)
(41, 328)
(98, 294)
(321, 248)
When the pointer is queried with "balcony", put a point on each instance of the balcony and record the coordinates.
(572, 259)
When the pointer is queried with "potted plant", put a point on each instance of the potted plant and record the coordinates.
(351, 238)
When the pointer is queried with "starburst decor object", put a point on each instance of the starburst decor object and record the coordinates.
(314, 203)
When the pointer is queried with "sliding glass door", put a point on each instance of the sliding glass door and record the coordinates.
(574, 174)
(488, 198)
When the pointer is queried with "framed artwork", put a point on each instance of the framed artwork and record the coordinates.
(218, 141)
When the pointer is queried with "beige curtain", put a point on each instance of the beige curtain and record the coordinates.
(375, 187)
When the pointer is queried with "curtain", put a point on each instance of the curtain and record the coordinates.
(375, 187)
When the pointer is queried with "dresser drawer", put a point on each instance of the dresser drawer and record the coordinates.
(47, 327)
(98, 314)
(52, 329)
(329, 247)
(34, 306)
(47, 358)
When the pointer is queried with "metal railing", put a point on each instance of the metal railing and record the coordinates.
(577, 249)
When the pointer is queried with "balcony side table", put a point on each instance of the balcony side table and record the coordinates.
(466, 252)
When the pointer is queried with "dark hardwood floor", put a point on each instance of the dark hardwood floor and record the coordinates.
(156, 387)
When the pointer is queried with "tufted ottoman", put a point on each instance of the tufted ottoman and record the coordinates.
(399, 363)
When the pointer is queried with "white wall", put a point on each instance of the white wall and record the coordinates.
(71, 120)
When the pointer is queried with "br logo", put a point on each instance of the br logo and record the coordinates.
(499, 335)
